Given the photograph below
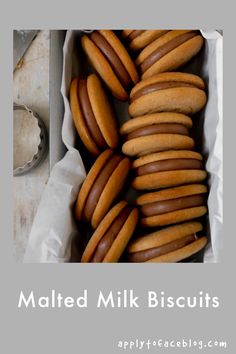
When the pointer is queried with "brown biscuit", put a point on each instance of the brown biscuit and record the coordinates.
(170, 244)
(156, 132)
(155, 118)
(119, 240)
(168, 179)
(140, 39)
(186, 100)
(181, 253)
(167, 175)
(172, 205)
(164, 128)
(105, 51)
(103, 111)
(159, 53)
(126, 33)
(164, 236)
(101, 230)
(169, 77)
(99, 185)
(103, 68)
(111, 191)
(169, 165)
(120, 50)
(89, 181)
(113, 59)
(146, 255)
(158, 142)
(158, 43)
(169, 51)
(171, 193)
(186, 97)
(174, 217)
(93, 115)
(78, 119)
(103, 171)
(176, 58)
(166, 155)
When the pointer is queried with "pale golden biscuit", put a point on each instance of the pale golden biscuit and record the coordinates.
(93, 115)
(121, 242)
(111, 60)
(158, 43)
(168, 92)
(120, 50)
(79, 120)
(158, 142)
(172, 205)
(103, 111)
(168, 52)
(111, 190)
(171, 193)
(155, 118)
(163, 236)
(126, 32)
(102, 66)
(188, 78)
(112, 234)
(168, 169)
(165, 155)
(170, 244)
(168, 179)
(89, 181)
(181, 253)
(102, 185)
(156, 132)
(138, 39)
(174, 217)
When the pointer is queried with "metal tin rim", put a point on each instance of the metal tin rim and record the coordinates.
(42, 147)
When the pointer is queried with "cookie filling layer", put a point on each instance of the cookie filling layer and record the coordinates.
(159, 86)
(143, 256)
(134, 34)
(169, 165)
(163, 128)
(112, 58)
(165, 49)
(110, 235)
(99, 185)
(88, 115)
(167, 206)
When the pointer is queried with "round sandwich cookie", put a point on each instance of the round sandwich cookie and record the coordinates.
(156, 132)
(168, 169)
(168, 52)
(168, 92)
(138, 39)
(112, 61)
(168, 245)
(112, 235)
(102, 185)
(93, 115)
(172, 205)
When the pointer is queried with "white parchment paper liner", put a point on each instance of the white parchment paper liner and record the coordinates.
(53, 226)
(212, 73)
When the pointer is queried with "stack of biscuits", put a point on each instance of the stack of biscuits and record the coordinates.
(152, 152)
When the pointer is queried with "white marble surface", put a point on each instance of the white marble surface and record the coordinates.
(31, 87)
